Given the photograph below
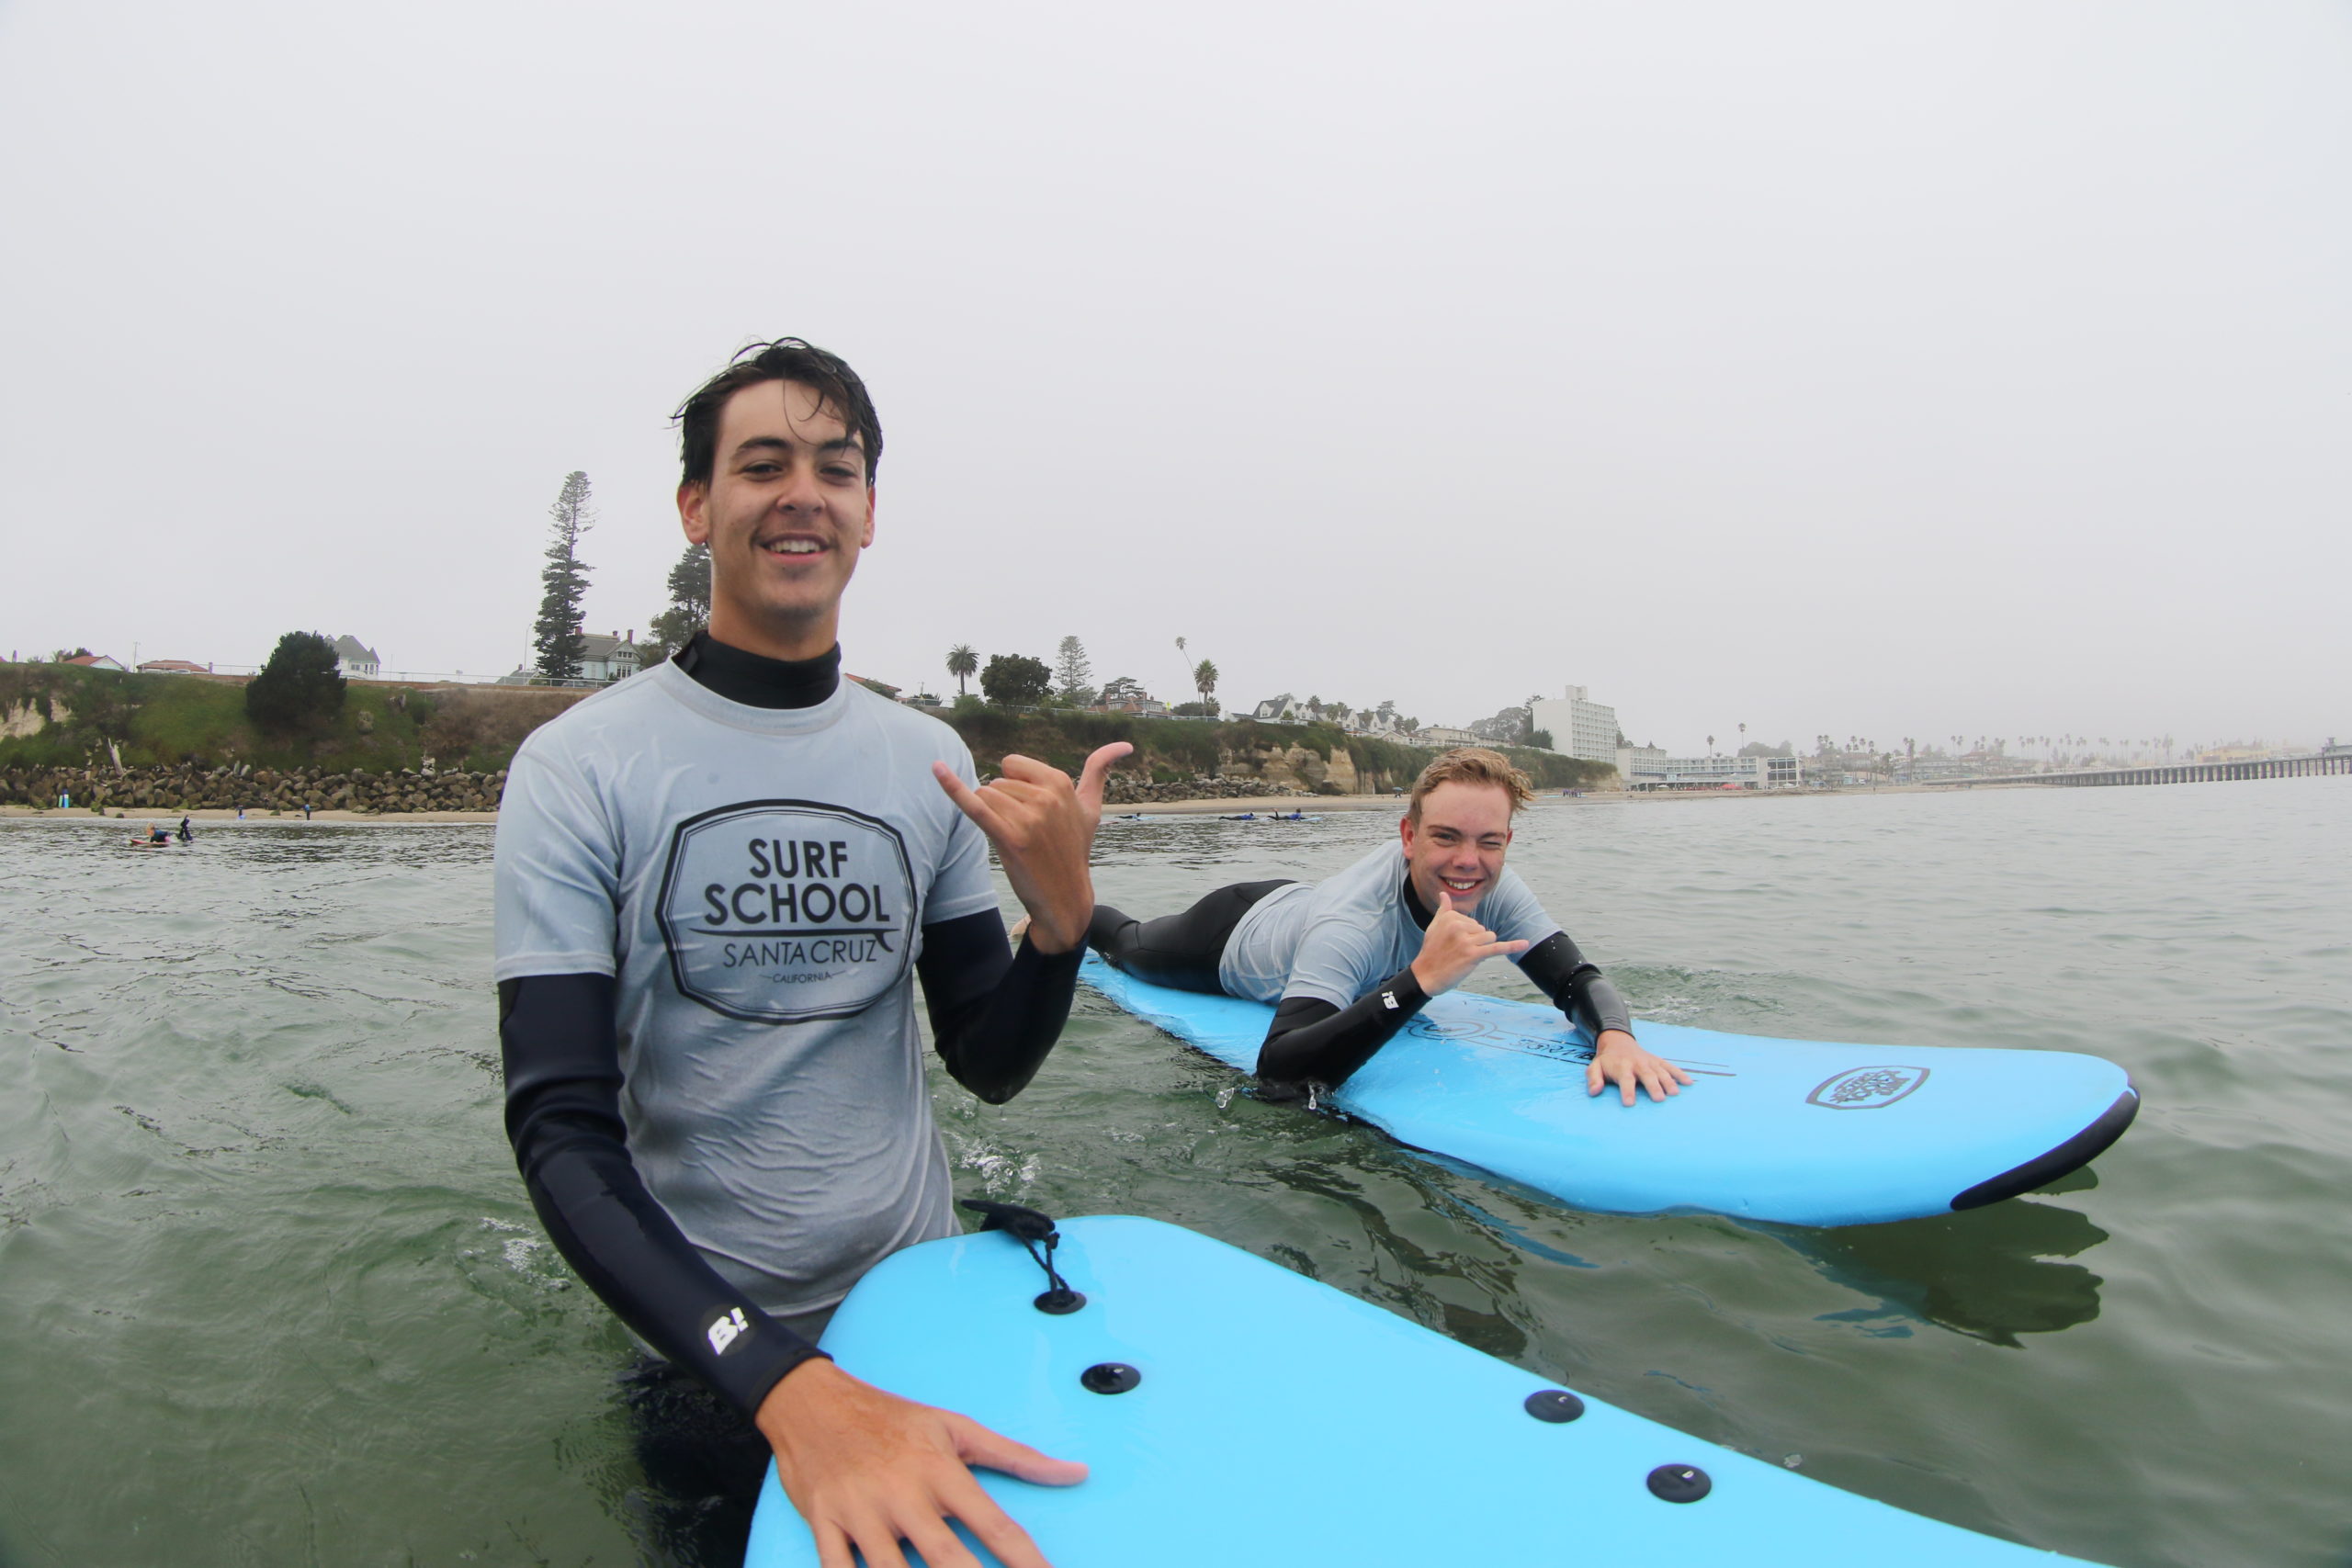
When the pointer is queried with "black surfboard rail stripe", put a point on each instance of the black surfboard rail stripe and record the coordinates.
(2073, 1155)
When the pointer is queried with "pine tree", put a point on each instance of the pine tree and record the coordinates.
(1073, 670)
(556, 636)
(689, 609)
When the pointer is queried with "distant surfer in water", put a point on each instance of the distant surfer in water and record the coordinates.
(718, 886)
(1347, 963)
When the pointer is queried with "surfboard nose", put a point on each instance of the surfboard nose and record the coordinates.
(2073, 1155)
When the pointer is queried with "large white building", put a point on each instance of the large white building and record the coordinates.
(1721, 772)
(1579, 727)
(1641, 765)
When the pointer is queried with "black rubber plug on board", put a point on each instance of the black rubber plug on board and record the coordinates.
(1554, 1404)
(1109, 1377)
(1679, 1482)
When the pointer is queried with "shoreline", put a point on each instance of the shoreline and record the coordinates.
(218, 815)
(1313, 805)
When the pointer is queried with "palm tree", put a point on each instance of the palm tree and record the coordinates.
(962, 662)
(1204, 682)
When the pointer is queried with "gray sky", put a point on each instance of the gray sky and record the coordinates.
(1880, 369)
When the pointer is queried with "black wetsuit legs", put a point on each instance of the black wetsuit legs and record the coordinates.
(1177, 951)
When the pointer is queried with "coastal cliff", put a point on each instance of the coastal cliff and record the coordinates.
(159, 743)
(1190, 759)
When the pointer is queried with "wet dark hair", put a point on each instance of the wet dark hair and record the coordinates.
(786, 359)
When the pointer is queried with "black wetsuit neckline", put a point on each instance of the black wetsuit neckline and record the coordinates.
(1421, 917)
(757, 681)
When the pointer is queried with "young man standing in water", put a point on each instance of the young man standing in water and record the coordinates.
(716, 885)
(1349, 961)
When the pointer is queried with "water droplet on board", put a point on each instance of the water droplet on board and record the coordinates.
(1792, 1461)
(1225, 1096)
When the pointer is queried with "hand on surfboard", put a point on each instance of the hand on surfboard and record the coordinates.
(868, 1469)
(1452, 946)
(1618, 1058)
(1042, 824)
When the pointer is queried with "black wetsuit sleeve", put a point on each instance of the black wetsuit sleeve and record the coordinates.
(563, 1084)
(1313, 1042)
(1575, 987)
(994, 1015)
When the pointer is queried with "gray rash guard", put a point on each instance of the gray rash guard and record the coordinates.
(1336, 940)
(756, 881)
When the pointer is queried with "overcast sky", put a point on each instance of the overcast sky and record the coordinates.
(1873, 368)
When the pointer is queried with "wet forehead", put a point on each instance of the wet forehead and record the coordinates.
(791, 413)
(1474, 810)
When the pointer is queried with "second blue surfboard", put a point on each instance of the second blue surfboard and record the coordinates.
(1800, 1132)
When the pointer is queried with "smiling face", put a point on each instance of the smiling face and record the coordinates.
(786, 511)
(1457, 845)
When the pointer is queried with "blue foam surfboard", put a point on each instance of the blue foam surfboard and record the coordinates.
(1799, 1132)
(1272, 1422)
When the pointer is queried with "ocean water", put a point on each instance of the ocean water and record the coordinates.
(270, 1292)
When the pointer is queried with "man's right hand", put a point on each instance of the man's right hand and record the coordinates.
(868, 1469)
(1452, 946)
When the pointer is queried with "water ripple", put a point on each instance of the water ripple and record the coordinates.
(256, 1206)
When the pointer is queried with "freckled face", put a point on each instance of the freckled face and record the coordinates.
(1457, 846)
(785, 513)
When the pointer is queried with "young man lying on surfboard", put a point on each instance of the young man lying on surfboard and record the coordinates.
(717, 883)
(1347, 962)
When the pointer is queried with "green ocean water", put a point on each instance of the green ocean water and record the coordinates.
(270, 1292)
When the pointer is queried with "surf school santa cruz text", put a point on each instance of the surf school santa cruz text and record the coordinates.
(799, 893)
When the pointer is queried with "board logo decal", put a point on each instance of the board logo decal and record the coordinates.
(1867, 1088)
(777, 911)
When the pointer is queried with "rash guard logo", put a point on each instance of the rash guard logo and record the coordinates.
(776, 911)
(1867, 1088)
(731, 1324)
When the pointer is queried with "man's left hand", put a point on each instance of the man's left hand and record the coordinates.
(1618, 1058)
(1042, 826)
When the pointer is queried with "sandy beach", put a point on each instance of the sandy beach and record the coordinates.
(1311, 805)
(221, 813)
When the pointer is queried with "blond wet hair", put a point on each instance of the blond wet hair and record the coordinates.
(1471, 765)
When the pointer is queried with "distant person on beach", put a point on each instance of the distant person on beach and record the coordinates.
(1347, 963)
(718, 885)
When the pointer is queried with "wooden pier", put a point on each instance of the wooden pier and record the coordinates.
(2334, 760)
